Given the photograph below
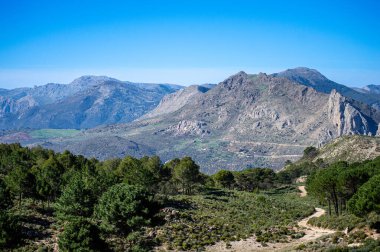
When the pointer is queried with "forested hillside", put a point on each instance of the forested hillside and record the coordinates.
(62, 201)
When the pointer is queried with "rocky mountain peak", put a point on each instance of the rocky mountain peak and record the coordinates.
(92, 80)
(235, 80)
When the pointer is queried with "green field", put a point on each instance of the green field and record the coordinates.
(53, 133)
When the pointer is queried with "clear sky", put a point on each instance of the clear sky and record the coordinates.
(186, 42)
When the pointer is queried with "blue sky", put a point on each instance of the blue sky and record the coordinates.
(186, 42)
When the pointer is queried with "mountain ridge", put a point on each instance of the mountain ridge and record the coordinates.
(86, 102)
(313, 78)
(246, 120)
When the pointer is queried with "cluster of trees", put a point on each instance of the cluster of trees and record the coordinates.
(117, 194)
(264, 178)
(250, 179)
(353, 187)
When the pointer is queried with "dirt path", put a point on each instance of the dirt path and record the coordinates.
(311, 233)
(303, 191)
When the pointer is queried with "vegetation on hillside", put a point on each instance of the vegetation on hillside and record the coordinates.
(50, 200)
(53, 133)
(348, 187)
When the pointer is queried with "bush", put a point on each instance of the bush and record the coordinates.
(357, 236)
(369, 245)
(125, 207)
(80, 235)
(373, 220)
(137, 241)
(9, 229)
(5, 196)
(310, 152)
(341, 222)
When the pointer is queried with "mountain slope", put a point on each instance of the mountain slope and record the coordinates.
(372, 89)
(87, 102)
(350, 149)
(353, 148)
(313, 78)
(369, 89)
(246, 120)
(175, 101)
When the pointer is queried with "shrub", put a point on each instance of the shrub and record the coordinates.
(9, 229)
(341, 222)
(138, 241)
(80, 235)
(369, 245)
(357, 236)
(310, 152)
(5, 196)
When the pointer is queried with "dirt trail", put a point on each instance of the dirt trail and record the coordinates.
(303, 191)
(311, 233)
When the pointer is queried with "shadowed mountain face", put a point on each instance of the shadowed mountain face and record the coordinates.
(87, 102)
(375, 89)
(369, 89)
(246, 120)
(313, 78)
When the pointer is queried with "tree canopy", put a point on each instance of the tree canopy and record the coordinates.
(125, 207)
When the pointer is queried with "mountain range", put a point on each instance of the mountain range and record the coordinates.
(87, 102)
(246, 120)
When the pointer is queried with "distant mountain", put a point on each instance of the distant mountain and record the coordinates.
(313, 78)
(369, 89)
(372, 89)
(246, 120)
(87, 102)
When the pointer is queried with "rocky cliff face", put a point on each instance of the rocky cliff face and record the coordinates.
(347, 119)
(378, 130)
(187, 128)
